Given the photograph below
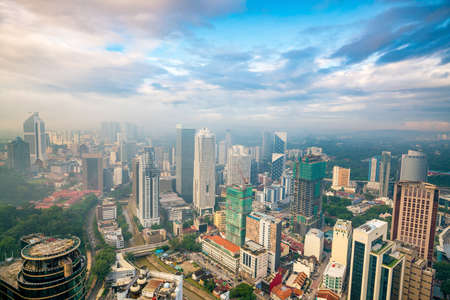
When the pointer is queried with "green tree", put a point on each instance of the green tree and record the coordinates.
(103, 262)
(242, 291)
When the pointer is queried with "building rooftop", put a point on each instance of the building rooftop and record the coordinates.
(253, 247)
(9, 271)
(48, 248)
(372, 225)
(314, 231)
(335, 269)
(224, 243)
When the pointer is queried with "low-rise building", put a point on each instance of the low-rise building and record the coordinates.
(254, 260)
(333, 277)
(106, 211)
(222, 251)
(304, 265)
(154, 285)
(122, 272)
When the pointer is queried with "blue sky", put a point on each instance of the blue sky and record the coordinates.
(293, 65)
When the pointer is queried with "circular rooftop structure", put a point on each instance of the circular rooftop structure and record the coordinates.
(49, 248)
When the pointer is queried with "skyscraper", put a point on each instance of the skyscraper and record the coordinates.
(185, 162)
(147, 188)
(277, 166)
(267, 148)
(222, 153)
(205, 172)
(279, 142)
(385, 172)
(376, 269)
(414, 216)
(238, 206)
(93, 171)
(278, 154)
(266, 231)
(306, 202)
(374, 169)
(34, 135)
(238, 165)
(109, 131)
(414, 166)
(19, 155)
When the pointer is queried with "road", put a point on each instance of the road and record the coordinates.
(93, 243)
(318, 275)
(131, 242)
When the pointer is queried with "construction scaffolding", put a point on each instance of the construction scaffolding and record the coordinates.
(238, 207)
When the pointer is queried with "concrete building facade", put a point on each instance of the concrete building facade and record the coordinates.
(414, 216)
(238, 165)
(266, 231)
(204, 180)
(253, 260)
(314, 244)
(342, 242)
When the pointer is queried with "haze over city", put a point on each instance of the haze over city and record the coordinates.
(315, 65)
(225, 149)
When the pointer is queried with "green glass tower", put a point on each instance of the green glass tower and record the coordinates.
(238, 207)
(306, 205)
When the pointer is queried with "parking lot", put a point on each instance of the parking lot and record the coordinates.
(217, 270)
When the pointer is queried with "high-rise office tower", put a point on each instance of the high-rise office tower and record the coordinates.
(93, 171)
(238, 206)
(19, 155)
(341, 177)
(376, 269)
(385, 171)
(228, 140)
(342, 242)
(222, 153)
(205, 172)
(34, 135)
(109, 131)
(238, 165)
(306, 202)
(267, 148)
(278, 154)
(277, 167)
(253, 172)
(266, 231)
(414, 166)
(374, 169)
(146, 183)
(414, 216)
(279, 142)
(185, 162)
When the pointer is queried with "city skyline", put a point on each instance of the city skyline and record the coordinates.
(323, 66)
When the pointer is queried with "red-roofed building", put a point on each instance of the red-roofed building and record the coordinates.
(327, 295)
(223, 251)
(281, 292)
